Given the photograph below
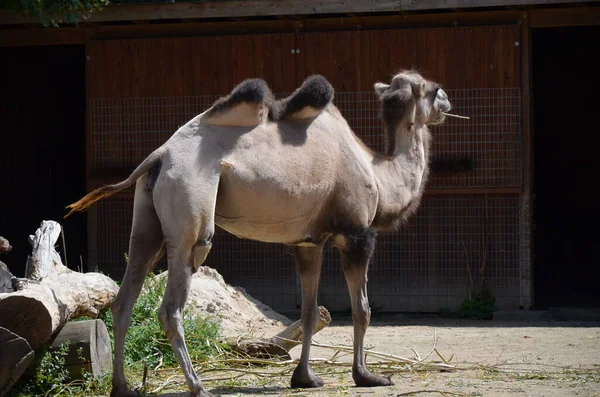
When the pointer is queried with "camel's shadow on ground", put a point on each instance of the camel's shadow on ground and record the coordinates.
(251, 391)
(234, 391)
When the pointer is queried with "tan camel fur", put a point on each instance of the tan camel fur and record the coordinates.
(290, 172)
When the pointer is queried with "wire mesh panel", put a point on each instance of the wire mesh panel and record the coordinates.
(266, 271)
(125, 131)
(483, 151)
(424, 267)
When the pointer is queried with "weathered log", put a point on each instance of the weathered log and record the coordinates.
(292, 335)
(280, 344)
(89, 348)
(52, 294)
(40, 309)
(5, 279)
(15, 357)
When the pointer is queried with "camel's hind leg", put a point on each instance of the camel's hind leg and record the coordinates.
(145, 249)
(188, 233)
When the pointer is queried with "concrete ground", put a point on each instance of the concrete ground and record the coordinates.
(516, 354)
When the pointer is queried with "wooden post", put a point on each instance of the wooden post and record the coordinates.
(525, 232)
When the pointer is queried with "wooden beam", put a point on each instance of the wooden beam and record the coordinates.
(41, 36)
(305, 25)
(262, 8)
(190, 29)
(559, 17)
(471, 18)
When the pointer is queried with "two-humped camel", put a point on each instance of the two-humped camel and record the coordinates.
(290, 172)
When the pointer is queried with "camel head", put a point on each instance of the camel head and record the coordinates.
(410, 99)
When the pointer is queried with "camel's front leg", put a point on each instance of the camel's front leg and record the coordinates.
(308, 266)
(356, 254)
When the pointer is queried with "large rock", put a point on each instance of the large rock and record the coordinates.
(15, 356)
(239, 312)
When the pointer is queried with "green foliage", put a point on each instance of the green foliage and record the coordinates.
(54, 12)
(146, 340)
(46, 375)
(146, 343)
(479, 307)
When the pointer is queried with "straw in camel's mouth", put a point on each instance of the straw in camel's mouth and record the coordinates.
(455, 116)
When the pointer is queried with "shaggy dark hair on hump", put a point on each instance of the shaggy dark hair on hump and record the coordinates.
(315, 92)
(254, 91)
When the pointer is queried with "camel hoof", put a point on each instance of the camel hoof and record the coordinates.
(364, 378)
(304, 378)
(120, 392)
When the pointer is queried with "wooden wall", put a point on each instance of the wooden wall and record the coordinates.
(461, 57)
(141, 90)
(153, 70)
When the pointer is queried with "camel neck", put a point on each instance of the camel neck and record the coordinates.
(401, 179)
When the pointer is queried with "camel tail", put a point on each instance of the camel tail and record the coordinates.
(108, 190)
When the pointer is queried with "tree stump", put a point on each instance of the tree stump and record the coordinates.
(15, 356)
(89, 348)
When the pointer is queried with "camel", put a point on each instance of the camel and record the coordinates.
(290, 172)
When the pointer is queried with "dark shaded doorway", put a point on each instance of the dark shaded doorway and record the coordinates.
(42, 147)
(566, 104)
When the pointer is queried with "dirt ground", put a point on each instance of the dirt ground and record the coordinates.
(523, 358)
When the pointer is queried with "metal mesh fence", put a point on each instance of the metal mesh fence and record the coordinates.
(420, 268)
(126, 130)
(423, 267)
(484, 151)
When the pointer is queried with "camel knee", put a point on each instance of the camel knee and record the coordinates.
(200, 252)
(170, 320)
(361, 315)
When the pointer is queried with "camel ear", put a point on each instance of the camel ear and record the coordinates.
(380, 88)
(419, 89)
